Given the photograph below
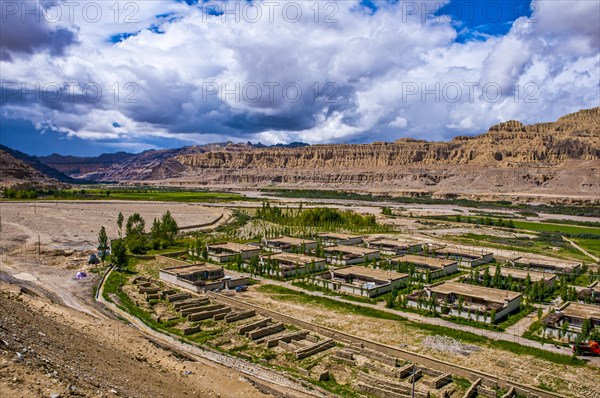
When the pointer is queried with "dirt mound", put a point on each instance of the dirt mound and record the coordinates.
(46, 349)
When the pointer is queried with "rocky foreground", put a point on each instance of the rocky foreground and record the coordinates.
(47, 350)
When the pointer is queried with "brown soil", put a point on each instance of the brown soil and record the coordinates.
(46, 348)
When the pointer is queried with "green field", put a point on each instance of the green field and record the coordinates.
(144, 195)
(567, 229)
(592, 246)
(557, 248)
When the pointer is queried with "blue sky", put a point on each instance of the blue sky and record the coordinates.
(168, 73)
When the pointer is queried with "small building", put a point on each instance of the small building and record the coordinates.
(289, 244)
(437, 267)
(392, 247)
(200, 277)
(557, 266)
(332, 239)
(286, 265)
(468, 301)
(466, 258)
(229, 251)
(347, 255)
(590, 294)
(361, 281)
(518, 274)
(575, 314)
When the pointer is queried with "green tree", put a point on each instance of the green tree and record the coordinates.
(120, 224)
(155, 234)
(102, 244)
(119, 255)
(169, 227)
(586, 329)
(486, 277)
(564, 328)
(497, 280)
(135, 233)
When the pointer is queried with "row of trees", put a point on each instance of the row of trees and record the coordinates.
(498, 222)
(162, 233)
(534, 291)
(315, 217)
(12, 193)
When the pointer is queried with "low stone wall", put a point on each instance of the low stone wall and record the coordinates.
(404, 371)
(265, 331)
(254, 325)
(315, 349)
(441, 381)
(486, 392)
(220, 317)
(191, 302)
(150, 289)
(168, 292)
(191, 330)
(380, 369)
(141, 279)
(344, 360)
(378, 392)
(273, 342)
(152, 296)
(511, 393)
(380, 357)
(200, 316)
(171, 298)
(238, 316)
(197, 310)
(472, 391)
(286, 346)
(402, 390)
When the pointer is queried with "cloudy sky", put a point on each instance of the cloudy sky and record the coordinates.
(86, 77)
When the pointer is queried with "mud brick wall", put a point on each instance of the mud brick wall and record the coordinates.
(193, 302)
(151, 289)
(301, 335)
(403, 390)
(207, 314)
(191, 330)
(486, 392)
(238, 316)
(265, 331)
(511, 393)
(314, 349)
(151, 296)
(254, 325)
(168, 292)
(344, 360)
(196, 310)
(378, 392)
(380, 357)
(380, 369)
(178, 297)
(472, 391)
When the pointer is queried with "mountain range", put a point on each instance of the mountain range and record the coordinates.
(558, 160)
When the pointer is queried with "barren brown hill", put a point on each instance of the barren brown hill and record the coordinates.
(15, 172)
